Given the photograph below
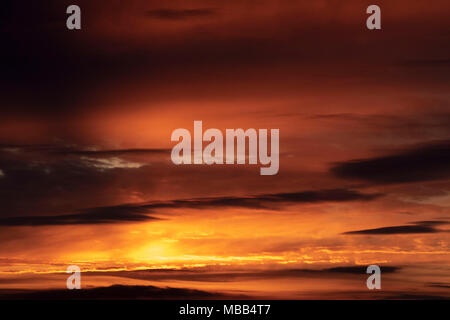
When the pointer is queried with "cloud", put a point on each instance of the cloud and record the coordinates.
(100, 215)
(50, 179)
(205, 275)
(415, 296)
(111, 163)
(72, 151)
(180, 14)
(423, 163)
(267, 201)
(114, 152)
(113, 292)
(139, 212)
(125, 292)
(361, 269)
(246, 34)
(416, 227)
(439, 285)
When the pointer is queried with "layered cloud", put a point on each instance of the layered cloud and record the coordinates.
(422, 163)
(139, 212)
(87, 115)
(114, 292)
(414, 228)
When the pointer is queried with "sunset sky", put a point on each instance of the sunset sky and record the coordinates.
(86, 176)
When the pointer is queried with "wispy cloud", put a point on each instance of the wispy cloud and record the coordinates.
(68, 150)
(139, 212)
(100, 215)
(415, 227)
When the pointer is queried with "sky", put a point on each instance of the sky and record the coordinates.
(86, 176)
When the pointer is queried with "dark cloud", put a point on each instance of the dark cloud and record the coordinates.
(383, 295)
(423, 163)
(124, 292)
(42, 181)
(49, 149)
(118, 152)
(180, 14)
(416, 227)
(428, 121)
(414, 296)
(361, 269)
(439, 285)
(396, 230)
(48, 180)
(99, 215)
(205, 275)
(432, 222)
(139, 212)
(62, 72)
(112, 292)
(268, 201)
